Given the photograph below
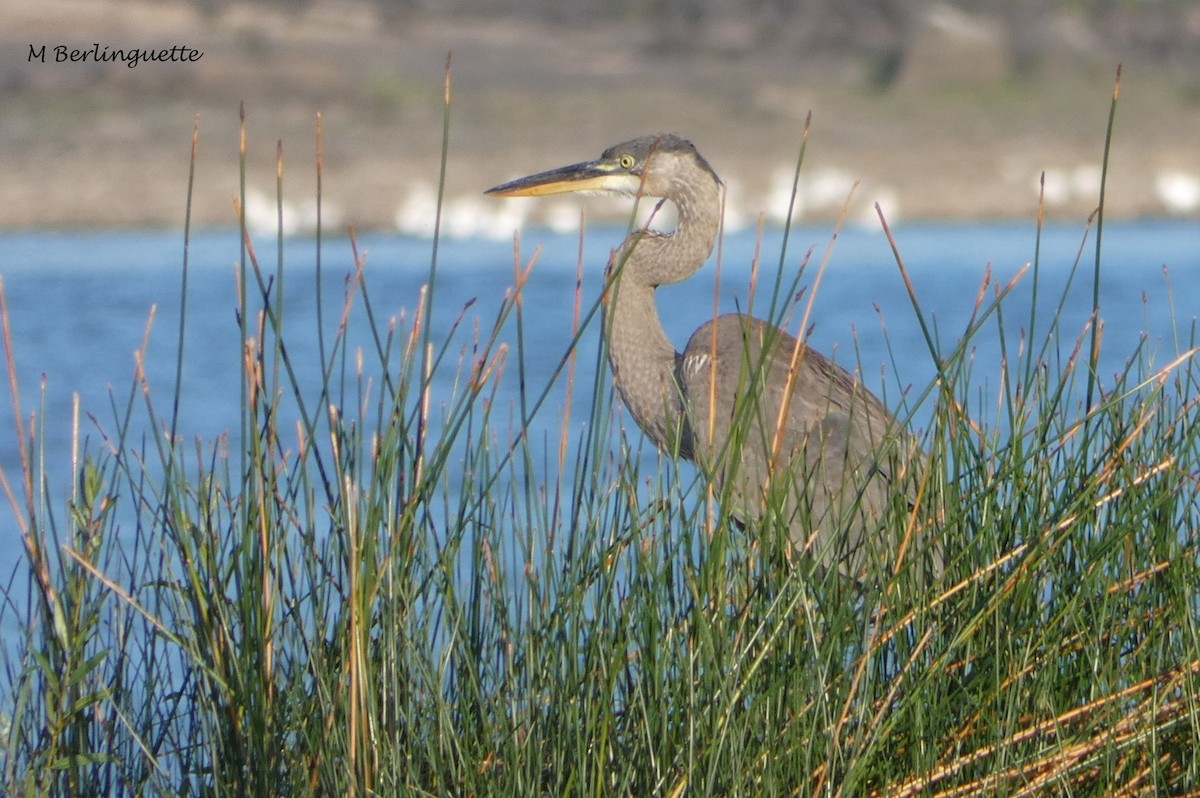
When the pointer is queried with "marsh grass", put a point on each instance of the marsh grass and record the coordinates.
(407, 594)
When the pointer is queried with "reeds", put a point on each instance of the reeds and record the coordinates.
(402, 593)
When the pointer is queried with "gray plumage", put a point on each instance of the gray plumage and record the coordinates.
(790, 439)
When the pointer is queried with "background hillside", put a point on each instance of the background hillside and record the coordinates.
(941, 110)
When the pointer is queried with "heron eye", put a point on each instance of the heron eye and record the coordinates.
(626, 161)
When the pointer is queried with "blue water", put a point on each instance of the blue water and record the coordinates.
(80, 306)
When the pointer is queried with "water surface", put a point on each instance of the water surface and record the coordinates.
(81, 305)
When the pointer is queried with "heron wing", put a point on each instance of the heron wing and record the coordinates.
(786, 433)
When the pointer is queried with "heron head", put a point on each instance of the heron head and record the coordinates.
(659, 165)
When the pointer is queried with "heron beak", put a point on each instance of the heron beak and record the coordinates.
(598, 177)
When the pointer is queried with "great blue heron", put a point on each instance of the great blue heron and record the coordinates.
(787, 436)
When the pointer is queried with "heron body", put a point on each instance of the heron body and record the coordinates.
(791, 440)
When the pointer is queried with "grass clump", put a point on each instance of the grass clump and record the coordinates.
(373, 589)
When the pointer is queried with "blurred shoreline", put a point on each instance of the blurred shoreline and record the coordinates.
(89, 144)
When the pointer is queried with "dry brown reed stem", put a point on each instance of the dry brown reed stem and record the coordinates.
(29, 536)
(802, 338)
(573, 354)
(1148, 717)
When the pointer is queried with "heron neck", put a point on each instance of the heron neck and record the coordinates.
(642, 360)
(641, 355)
